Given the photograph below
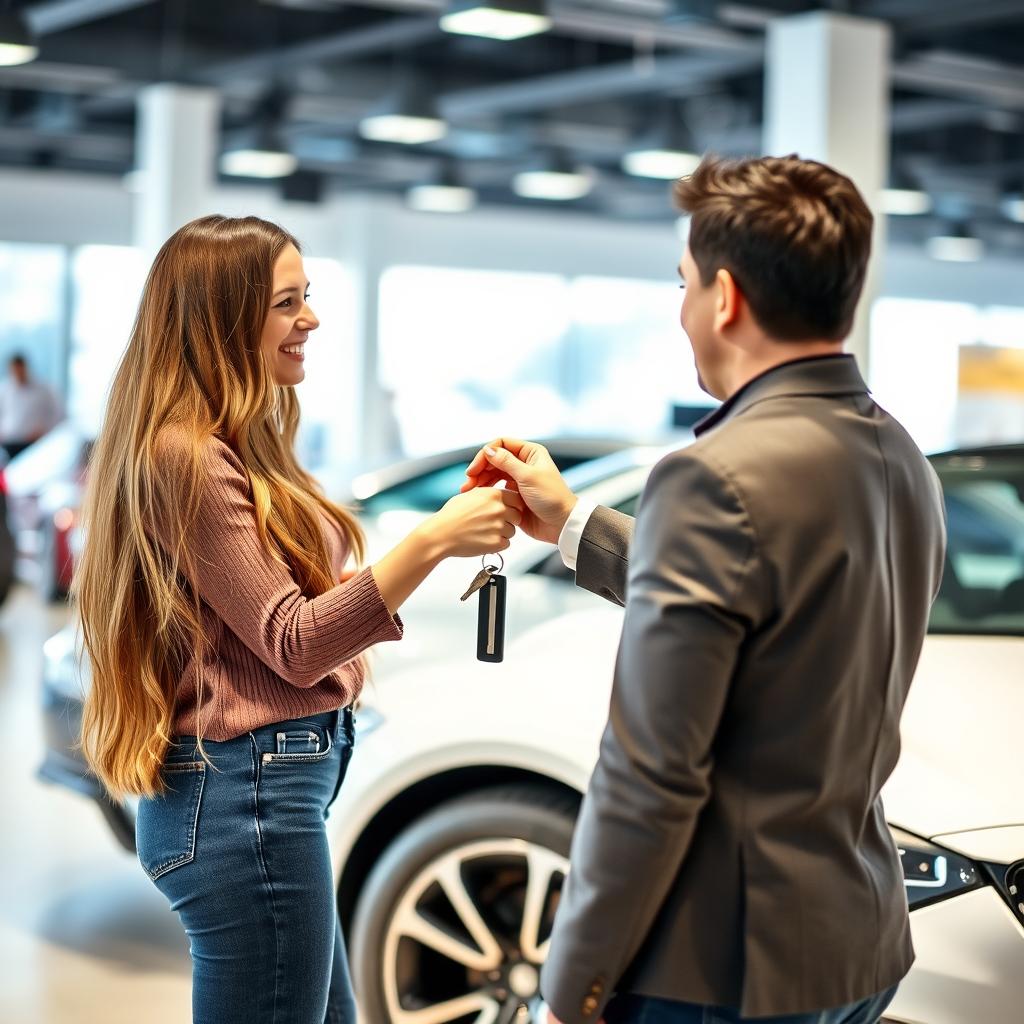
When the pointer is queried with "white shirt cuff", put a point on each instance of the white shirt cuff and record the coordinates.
(572, 532)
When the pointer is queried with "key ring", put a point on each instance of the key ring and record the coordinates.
(492, 569)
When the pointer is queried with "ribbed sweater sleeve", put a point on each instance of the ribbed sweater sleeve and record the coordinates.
(298, 638)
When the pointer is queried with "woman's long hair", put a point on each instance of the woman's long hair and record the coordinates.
(194, 361)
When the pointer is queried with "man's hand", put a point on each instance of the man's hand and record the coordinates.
(527, 468)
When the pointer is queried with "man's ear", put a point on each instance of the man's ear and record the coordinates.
(728, 300)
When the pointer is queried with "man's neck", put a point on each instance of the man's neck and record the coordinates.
(753, 365)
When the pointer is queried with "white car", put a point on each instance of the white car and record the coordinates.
(450, 836)
(452, 830)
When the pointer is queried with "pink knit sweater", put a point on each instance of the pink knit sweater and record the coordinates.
(277, 654)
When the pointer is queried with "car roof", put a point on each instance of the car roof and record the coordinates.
(374, 481)
(994, 451)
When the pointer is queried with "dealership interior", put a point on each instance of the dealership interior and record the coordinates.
(482, 190)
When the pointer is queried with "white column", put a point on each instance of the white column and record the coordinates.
(827, 99)
(175, 150)
(364, 238)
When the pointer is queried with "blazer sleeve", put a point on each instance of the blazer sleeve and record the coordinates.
(603, 559)
(694, 594)
(301, 639)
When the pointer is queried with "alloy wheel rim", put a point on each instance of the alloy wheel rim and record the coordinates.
(474, 924)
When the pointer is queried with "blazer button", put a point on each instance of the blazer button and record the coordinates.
(589, 1006)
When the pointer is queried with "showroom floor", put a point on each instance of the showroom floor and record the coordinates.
(84, 937)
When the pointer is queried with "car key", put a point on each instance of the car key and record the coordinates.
(490, 623)
(478, 581)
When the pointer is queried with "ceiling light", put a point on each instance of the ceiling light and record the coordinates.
(409, 131)
(554, 185)
(666, 151)
(441, 198)
(958, 246)
(905, 202)
(497, 19)
(258, 163)
(443, 193)
(660, 163)
(258, 153)
(553, 177)
(16, 43)
(410, 118)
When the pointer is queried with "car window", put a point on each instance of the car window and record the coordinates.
(424, 493)
(983, 578)
(429, 491)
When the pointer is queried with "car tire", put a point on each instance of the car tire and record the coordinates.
(416, 941)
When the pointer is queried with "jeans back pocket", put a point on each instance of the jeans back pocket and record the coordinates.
(165, 829)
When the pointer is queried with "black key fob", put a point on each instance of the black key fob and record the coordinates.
(490, 623)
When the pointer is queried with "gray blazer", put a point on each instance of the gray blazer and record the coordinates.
(732, 848)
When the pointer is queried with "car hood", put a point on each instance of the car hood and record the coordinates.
(961, 765)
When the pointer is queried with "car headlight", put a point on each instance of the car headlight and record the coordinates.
(931, 873)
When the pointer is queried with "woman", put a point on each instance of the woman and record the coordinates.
(226, 651)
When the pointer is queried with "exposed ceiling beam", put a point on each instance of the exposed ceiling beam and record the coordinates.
(50, 76)
(918, 17)
(954, 74)
(924, 115)
(586, 22)
(58, 15)
(388, 36)
(594, 84)
(89, 145)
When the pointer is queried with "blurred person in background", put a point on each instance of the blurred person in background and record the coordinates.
(226, 638)
(29, 408)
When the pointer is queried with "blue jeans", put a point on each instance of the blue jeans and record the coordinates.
(240, 851)
(634, 1009)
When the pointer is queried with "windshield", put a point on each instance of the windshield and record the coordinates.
(428, 491)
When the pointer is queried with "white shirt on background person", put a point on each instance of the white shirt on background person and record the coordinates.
(27, 411)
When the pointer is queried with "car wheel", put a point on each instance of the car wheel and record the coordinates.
(454, 921)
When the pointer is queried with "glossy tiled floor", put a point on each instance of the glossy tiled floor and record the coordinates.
(84, 937)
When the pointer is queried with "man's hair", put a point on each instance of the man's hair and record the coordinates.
(795, 235)
(17, 360)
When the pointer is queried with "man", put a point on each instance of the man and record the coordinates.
(28, 408)
(731, 860)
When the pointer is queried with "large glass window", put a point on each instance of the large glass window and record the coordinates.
(928, 368)
(32, 308)
(327, 440)
(628, 358)
(466, 354)
(915, 348)
(107, 282)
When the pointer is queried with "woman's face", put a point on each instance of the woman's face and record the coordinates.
(289, 321)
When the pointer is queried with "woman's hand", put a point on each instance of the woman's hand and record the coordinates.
(480, 522)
